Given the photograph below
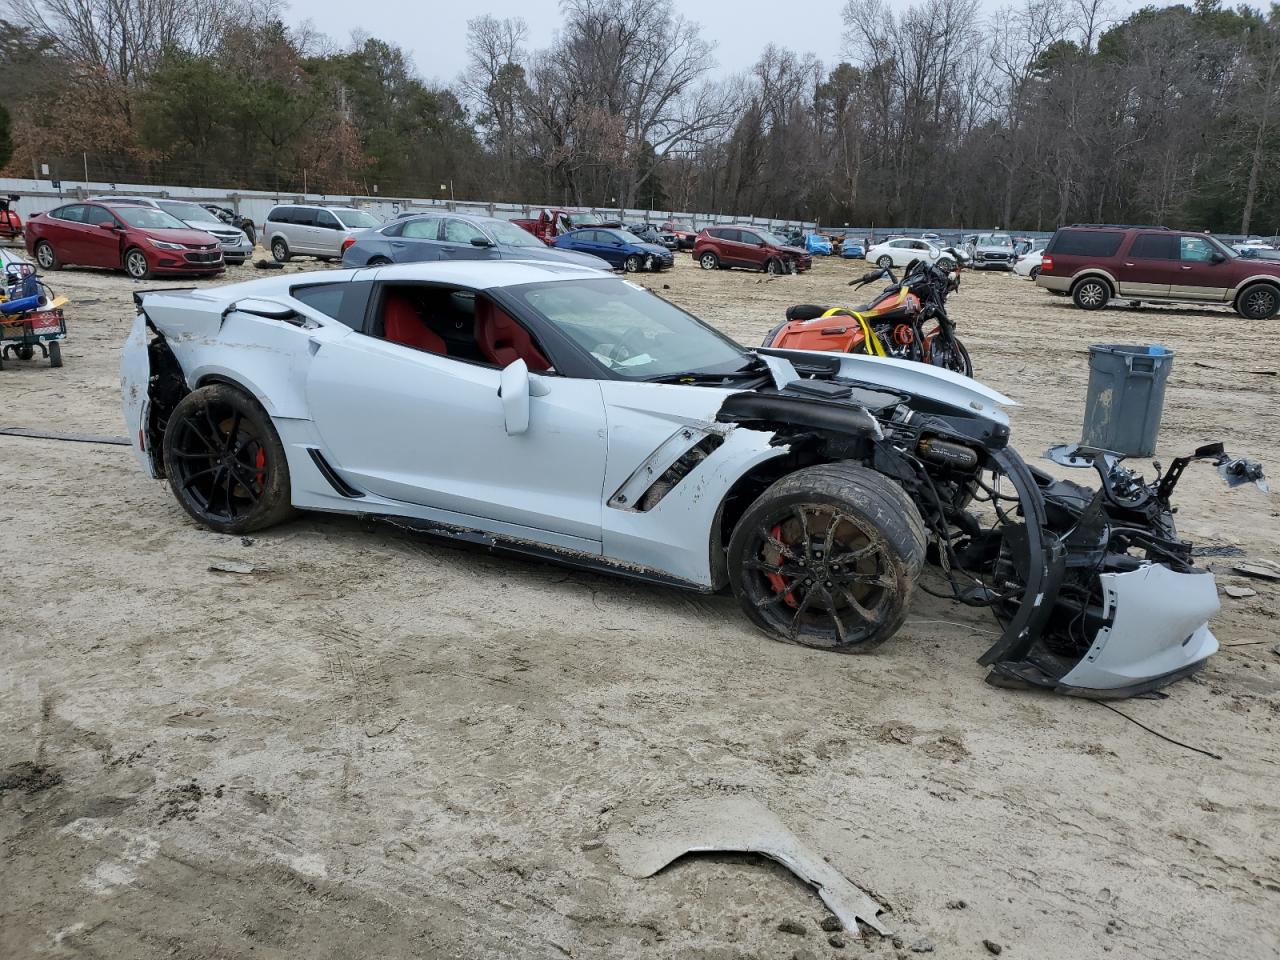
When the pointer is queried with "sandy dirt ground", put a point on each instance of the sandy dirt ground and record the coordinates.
(383, 746)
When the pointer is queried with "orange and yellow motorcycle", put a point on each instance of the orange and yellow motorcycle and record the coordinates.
(908, 320)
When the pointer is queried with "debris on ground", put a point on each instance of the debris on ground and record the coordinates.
(922, 946)
(738, 824)
(993, 948)
(28, 777)
(1257, 570)
(1238, 593)
(831, 924)
(1225, 550)
(956, 904)
(792, 926)
(837, 941)
(232, 566)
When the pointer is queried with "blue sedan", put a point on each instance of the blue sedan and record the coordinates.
(621, 248)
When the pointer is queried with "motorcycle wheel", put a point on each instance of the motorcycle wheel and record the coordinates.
(952, 356)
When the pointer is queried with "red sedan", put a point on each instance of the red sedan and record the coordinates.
(140, 240)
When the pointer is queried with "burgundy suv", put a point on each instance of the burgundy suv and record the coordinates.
(720, 247)
(1095, 263)
(143, 241)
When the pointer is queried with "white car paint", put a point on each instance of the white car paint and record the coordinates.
(423, 436)
(1027, 262)
(903, 250)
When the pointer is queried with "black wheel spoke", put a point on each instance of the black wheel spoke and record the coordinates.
(190, 478)
(231, 434)
(763, 566)
(866, 613)
(841, 632)
(798, 512)
(800, 612)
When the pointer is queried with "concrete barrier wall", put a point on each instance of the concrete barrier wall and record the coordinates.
(38, 195)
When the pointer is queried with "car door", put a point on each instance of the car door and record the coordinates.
(328, 234)
(418, 241)
(456, 238)
(427, 429)
(1149, 267)
(1202, 271)
(64, 230)
(603, 244)
(102, 238)
(301, 230)
(753, 249)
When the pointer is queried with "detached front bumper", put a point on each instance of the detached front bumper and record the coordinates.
(1140, 628)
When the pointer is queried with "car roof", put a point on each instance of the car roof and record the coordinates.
(141, 201)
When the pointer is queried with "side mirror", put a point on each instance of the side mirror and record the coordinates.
(513, 389)
(270, 309)
(481, 242)
(1217, 257)
(108, 225)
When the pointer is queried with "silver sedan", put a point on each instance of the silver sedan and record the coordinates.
(454, 236)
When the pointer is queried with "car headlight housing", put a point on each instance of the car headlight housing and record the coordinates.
(165, 244)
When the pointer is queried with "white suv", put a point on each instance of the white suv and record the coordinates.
(236, 246)
(323, 232)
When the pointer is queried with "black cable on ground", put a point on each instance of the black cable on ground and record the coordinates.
(67, 437)
(1176, 743)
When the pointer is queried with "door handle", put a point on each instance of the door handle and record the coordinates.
(1127, 264)
(1186, 268)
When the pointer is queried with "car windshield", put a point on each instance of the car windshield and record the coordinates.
(631, 332)
(771, 238)
(357, 218)
(190, 212)
(509, 235)
(995, 240)
(626, 236)
(147, 218)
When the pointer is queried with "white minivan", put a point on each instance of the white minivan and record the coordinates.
(314, 231)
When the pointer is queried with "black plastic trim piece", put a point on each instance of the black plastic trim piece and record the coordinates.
(331, 475)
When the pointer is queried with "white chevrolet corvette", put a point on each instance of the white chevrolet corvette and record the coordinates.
(548, 410)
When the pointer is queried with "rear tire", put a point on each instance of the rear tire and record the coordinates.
(1258, 302)
(1091, 293)
(1035, 272)
(709, 261)
(46, 257)
(279, 250)
(55, 354)
(828, 557)
(885, 262)
(225, 462)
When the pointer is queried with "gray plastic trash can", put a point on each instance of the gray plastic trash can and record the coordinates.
(1126, 397)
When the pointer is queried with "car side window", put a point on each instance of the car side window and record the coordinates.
(393, 229)
(278, 215)
(1155, 246)
(459, 231)
(323, 297)
(74, 213)
(591, 236)
(428, 229)
(327, 220)
(748, 237)
(1196, 249)
(96, 215)
(303, 217)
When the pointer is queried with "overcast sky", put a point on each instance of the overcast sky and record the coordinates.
(434, 31)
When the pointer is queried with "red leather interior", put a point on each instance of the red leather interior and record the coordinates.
(401, 324)
(503, 340)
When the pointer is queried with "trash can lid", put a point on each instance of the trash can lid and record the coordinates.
(1132, 350)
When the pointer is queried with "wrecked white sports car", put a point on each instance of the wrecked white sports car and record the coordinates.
(550, 411)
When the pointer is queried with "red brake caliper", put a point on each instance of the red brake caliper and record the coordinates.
(260, 462)
(777, 580)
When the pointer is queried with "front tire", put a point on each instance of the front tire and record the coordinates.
(709, 261)
(46, 257)
(279, 250)
(1258, 302)
(136, 265)
(1091, 293)
(631, 264)
(885, 262)
(55, 353)
(224, 461)
(828, 557)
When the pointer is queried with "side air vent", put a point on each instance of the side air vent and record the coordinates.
(331, 475)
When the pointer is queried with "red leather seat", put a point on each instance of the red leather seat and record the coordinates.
(503, 340)
(401, 324)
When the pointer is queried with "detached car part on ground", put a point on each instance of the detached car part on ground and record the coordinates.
(549, 411)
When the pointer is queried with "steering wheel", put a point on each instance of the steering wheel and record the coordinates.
(621, 350)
